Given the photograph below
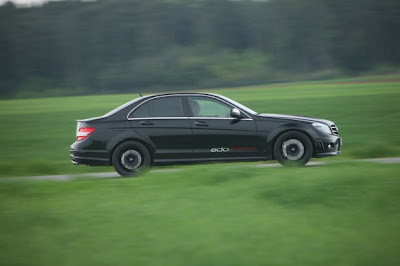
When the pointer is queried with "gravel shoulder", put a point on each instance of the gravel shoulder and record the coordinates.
(393, 160)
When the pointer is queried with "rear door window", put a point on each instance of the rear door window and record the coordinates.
(141, 111)
(160, 107)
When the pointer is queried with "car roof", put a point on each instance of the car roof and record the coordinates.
(182, 93)
(240, 106)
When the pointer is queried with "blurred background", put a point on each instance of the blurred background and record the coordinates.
(62, 48)
(67, 60)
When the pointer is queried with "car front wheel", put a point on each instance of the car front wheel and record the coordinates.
(131, 159)
(293, 148)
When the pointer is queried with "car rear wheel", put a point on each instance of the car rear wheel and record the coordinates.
(131, 159)
(293, 148)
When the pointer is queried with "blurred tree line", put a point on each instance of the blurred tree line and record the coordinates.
(124, 46)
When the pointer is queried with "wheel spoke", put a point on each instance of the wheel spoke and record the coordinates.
(292, 149)
(284, 149)
(131, 159)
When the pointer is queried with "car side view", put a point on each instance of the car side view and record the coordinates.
(197, 127)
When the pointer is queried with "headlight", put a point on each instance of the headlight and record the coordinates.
(323, 128)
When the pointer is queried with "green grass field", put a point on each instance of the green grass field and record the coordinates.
(216, 214)
(224, 214)
(36, 133)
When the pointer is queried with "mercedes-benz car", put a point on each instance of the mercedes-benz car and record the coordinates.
(197, 127)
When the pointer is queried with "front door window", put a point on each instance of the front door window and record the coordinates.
(209, 107)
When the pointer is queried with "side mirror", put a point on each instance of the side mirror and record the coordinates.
(236, 113)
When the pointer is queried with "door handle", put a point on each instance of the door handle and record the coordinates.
(201, 124)
(146, 123)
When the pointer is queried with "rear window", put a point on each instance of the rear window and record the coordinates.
(119, 108)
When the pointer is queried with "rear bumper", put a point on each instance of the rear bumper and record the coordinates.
(90, 157)
(327, 146)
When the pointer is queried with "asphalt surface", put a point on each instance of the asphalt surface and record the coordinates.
(114, 174)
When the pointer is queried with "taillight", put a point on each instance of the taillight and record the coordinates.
(84, 132)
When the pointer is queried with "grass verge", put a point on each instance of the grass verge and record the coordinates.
(223, 214)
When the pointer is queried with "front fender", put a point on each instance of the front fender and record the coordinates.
(274, 134)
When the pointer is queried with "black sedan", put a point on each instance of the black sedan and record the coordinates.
(197, 127)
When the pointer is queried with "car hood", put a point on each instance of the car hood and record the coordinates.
(295, 118)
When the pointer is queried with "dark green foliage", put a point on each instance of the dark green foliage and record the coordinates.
(73, 47)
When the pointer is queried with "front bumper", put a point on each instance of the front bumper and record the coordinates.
(327, 146)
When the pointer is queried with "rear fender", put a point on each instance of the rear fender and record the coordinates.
(128, 135)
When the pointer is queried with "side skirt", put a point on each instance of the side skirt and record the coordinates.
(205, 160)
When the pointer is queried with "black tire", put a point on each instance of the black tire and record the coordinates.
(293, 148)
(131, 159)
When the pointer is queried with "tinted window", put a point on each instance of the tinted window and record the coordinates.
(142, 111)
(208, 107)
(119, 108)
(166, 107)
(160, 107)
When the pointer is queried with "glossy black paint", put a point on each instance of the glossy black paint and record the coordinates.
(194, 139)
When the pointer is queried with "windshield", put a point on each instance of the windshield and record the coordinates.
(119, 108)
(241, 106)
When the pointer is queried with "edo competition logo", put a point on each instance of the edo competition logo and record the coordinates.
(222, 149)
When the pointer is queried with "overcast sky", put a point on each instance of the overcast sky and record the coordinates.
(25, 3)
(28, 3)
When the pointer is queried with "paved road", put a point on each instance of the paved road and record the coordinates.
(113, 174)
